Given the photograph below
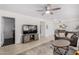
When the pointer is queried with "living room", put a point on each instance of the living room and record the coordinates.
(63, 17)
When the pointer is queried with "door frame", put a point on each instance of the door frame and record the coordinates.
(42, 29)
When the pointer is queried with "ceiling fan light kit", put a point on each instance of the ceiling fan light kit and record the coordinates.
(47, 12)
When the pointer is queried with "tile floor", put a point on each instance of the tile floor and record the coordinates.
(44, 49)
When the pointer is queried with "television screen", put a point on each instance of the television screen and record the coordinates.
(27, 29)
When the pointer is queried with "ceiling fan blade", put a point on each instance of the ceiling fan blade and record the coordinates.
(49, 5)
(43, 14)
(51, 13)
(56, 9)
(40, 10)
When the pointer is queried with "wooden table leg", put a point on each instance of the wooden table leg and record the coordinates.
(66, 50)
(59, 52)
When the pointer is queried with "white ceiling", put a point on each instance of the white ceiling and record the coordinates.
(67, 10)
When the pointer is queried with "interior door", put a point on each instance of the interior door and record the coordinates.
(42, 29)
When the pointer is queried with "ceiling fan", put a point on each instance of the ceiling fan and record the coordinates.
(48, 9)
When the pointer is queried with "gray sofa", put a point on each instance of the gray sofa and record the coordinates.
(67, 35)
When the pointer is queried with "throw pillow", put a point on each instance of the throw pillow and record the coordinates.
(62, 34)
(69, 35)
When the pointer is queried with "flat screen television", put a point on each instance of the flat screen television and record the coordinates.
(27, 29)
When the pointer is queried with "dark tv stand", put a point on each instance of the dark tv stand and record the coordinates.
(29, 37)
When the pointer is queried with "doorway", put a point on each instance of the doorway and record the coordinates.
(42, 29)
(8, 24)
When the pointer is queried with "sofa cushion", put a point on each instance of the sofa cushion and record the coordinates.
(57, 35)
(74, 40)
(62, 34)
(69, 35)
